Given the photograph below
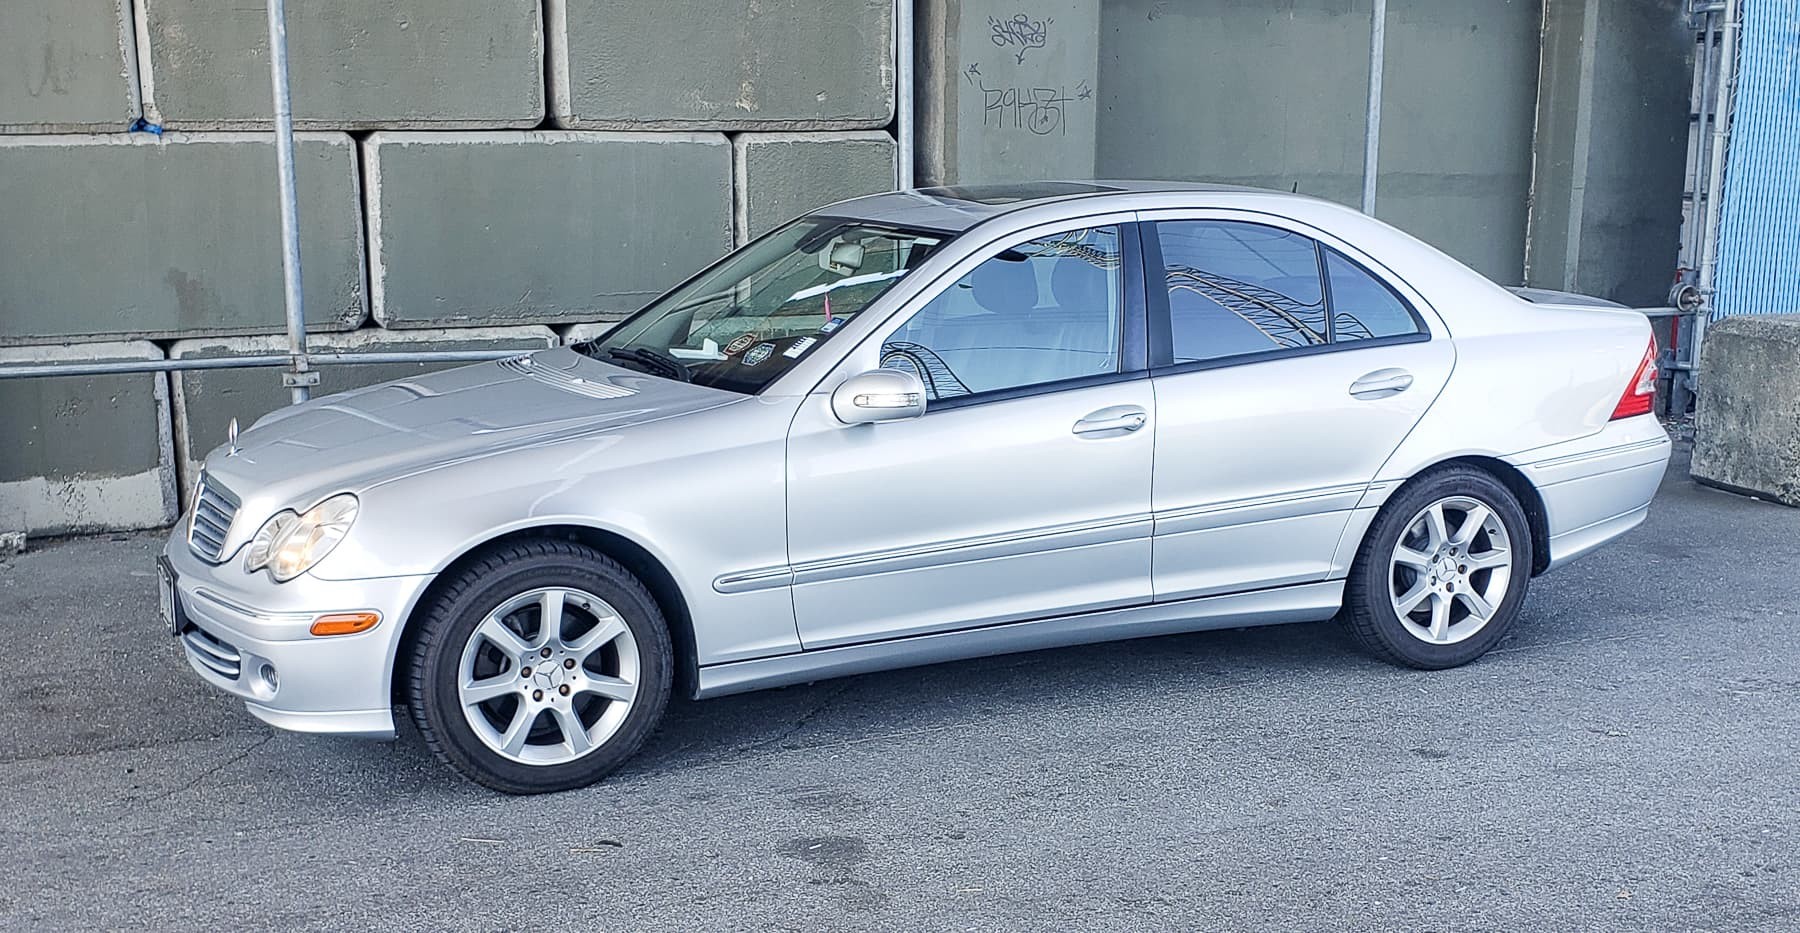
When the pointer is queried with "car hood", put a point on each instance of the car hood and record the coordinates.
(365, 437)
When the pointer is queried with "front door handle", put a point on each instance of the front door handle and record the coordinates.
(1119, 419)
(1381, 383)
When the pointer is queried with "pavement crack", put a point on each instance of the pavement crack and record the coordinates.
(215, 769)
(798, 724)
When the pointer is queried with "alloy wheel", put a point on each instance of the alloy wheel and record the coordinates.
(548, 676)
(1449, 571)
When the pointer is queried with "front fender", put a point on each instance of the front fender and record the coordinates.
(702, 494)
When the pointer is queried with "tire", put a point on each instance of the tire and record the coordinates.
(468, 692)
(1492, 568)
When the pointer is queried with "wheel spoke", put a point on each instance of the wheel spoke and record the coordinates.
(1411, 558)
(549, 618)
(612, 688)
(575, 734)
(1436, 535)
(476, 692)
(1471, 526)
(1478, 605)
(592, 640)
(512, 741)
(503, 638)
(1440, 616)
(1499, 557)
(1404, 605)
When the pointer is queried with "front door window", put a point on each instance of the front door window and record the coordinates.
(1039, 313)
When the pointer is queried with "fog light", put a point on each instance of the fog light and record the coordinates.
(345, 623)
(267, 681)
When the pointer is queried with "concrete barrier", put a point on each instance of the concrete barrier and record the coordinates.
(780, 176)
(353, 64)
(1747, 427)
(496, 228)
(67, 66)
(85, 453)
(721, 64)
(207, 400)
(145, 236)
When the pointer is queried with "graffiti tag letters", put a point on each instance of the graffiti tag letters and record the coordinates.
(1038, 109)
(1020, 34)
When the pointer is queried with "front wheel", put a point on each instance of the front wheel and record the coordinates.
(1442, 572)
(541, 667)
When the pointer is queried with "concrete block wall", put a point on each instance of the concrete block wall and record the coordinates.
(85, 453)
(67, 66)
(471, 172)
(722, 64)
(540, 226)
(354, 64)
(137, 235)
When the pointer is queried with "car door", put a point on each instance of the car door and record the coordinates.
(1024, 489)
(1286, 371)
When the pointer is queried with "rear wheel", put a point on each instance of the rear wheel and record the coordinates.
(1442, 572)
(543, 666)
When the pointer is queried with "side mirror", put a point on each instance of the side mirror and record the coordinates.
(879, 395)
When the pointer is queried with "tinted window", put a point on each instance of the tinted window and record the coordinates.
(1362, 306)
(1237, 288)
(1041, 312)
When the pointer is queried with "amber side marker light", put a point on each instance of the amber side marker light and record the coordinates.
(345, 623)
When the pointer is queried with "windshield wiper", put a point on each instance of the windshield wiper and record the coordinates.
(652, 361)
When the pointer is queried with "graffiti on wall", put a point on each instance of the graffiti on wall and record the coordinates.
(1026, 74)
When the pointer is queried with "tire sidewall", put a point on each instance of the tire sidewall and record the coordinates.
(438, 667)
(1376, 570)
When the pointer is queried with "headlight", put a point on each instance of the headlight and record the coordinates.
(289, 544)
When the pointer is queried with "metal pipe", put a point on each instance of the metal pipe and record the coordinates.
(126, 367)
(296, 378)
(903, 93)
(1372, 131)
(1703, 143)
(1715, 176)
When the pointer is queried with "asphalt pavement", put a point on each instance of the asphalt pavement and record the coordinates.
(1628, 759)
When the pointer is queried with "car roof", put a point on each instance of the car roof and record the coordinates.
(956, 208)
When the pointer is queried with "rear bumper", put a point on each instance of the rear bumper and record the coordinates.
(1599, 487)
(248, 636)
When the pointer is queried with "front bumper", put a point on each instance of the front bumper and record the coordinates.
(236, 628)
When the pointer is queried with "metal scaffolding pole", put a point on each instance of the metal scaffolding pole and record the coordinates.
(1724, 85)
(903, 94)
(1372, 138)
(299, 378)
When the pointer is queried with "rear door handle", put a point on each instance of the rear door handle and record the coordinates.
(1381, 383)
(1119, 419)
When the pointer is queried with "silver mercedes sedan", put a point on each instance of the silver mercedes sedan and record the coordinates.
(915, 427)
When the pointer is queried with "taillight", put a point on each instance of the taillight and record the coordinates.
(1641, 393)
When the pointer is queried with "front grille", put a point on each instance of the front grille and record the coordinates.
(220, 657)
(214, 508)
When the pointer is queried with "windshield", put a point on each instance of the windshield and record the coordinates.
(744, 323)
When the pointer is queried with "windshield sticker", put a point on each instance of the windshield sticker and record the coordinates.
(739, 344)
(800, 346)
(762, 352)
(832, 325)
